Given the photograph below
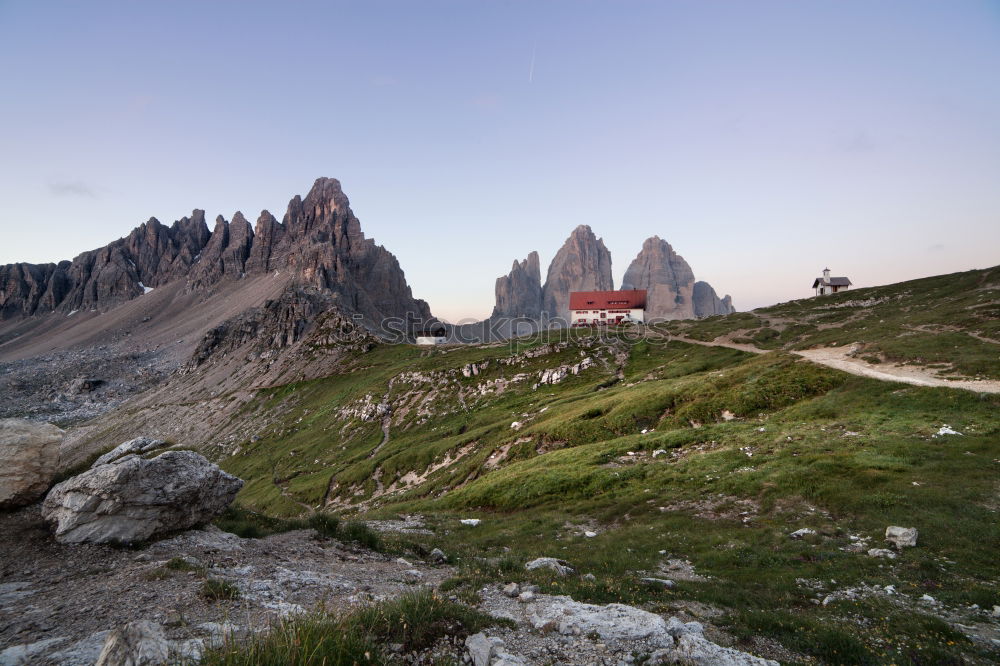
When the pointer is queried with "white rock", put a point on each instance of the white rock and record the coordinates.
(471, 522)
(437, 556)
(511, 590)
(507, 659)
(82, 653)
(480, 649)
(590, 535)
(27, 653)
(561, 567)
(139, 643)
(901, 537)
(138, 445)
(516, 425)
(805, 531)
(693, 648)
(659, 452)
(881, 552)
(945, 430)
(661, 582)
(610, 622)
(928, 599)
(133, 499)
(29, 460)
(526, 596)
(996, 611)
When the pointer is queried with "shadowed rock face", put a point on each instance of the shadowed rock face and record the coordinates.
(320, 240)
(519, 293)
(225, 254)
(583, 263)
(150, 256)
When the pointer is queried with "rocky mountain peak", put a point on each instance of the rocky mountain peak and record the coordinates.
(583, 263)
(671, 290)
(707, 303)
(519, 293)
(320, 243)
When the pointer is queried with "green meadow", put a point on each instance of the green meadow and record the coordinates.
(676, 452)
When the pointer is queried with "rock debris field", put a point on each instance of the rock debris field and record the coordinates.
(58, 602)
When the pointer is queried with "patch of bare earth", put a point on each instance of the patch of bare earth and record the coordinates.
(71, 596)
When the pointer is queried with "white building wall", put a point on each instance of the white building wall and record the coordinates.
(590, 317)
(431, 340)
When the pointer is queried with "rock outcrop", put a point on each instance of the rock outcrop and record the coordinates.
(29, 460)
(133, 498)
(707, 303)
(583, 263)
(225, 254)
(901, 537)
(671, 290)
(137, 446)
(320, 241)
(519, 293)
(672, 641)
(299, 313)
(140, 643)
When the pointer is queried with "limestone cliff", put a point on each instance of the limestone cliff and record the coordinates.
(667, 279)
(583, 263)
(671, 290)
(707, 303)
(519, 293)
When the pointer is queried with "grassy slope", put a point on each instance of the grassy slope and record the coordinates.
(928, 321)
(803, 446)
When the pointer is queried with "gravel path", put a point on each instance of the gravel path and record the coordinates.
(838, 358)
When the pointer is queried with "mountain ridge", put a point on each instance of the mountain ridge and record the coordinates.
(320, 239)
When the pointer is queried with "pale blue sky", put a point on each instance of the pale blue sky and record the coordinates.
(764, 140)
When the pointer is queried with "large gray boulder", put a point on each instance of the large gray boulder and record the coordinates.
(133, 498)
(29, 458)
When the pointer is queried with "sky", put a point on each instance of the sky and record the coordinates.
(763, 140)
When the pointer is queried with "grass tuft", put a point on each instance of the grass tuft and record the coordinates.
(415, 621)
